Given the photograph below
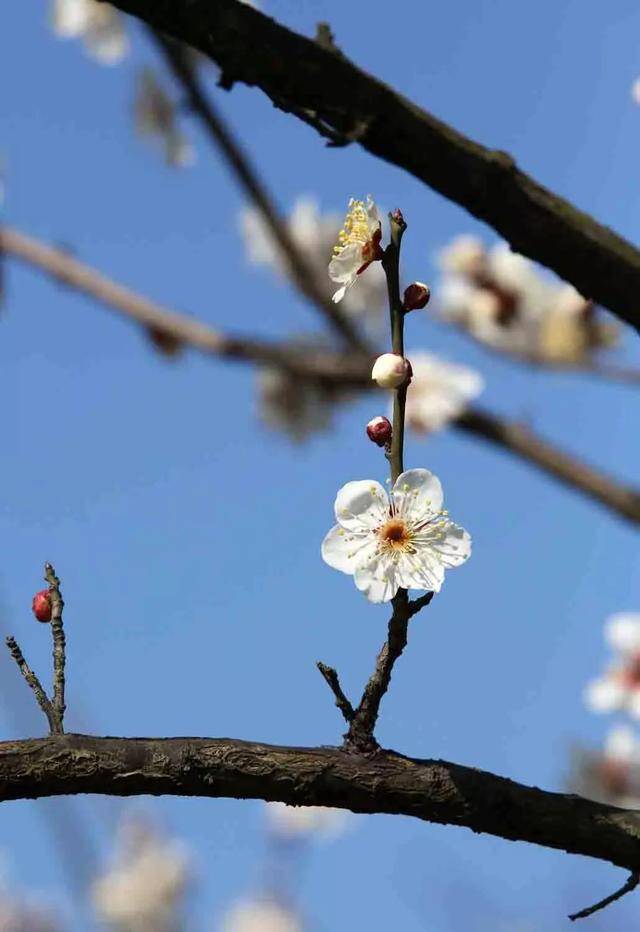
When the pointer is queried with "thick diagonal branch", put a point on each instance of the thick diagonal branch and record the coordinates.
(435, 791)
(348, 371)
(325, 89)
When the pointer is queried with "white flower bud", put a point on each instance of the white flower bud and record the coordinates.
(390, 370)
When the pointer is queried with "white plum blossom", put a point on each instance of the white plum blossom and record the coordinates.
(295, 822)
(314, 233)
(143, 889)
(619, 688)
(399, 540)
(99, 25)
(439, 392)
(260, 915)
(358, 245)
(390, 370)
(500, 298)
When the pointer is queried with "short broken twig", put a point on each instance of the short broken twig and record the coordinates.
(43, 700)
(628, 887)
(342, 703)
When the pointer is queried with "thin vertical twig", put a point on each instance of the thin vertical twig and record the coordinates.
(360, 735)
(59, 643)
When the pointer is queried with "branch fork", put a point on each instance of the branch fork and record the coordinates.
(53, 708)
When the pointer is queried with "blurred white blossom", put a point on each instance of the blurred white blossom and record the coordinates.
(261, 915)
(314, 234)
(298, 407)
(635, 91)
(99, 25)
(156, 118)
(500, 298)
(143, 889)
(613, 774)
(618, 689)
(292, 822)
(439, 391)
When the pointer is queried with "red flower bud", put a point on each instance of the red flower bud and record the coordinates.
(41, 605)
(416, 296)
(379, 430)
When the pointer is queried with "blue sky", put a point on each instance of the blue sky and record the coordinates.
(187, 536)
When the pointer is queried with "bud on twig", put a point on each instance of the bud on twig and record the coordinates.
(416, 296)
(41, 605)
(379, 430)
(391, 370)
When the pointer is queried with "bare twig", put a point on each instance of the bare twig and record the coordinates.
(59, 644)
(248, 178)
(347, 371)
(35, 684)
(630, 885)
(333, 683)
(360, 734)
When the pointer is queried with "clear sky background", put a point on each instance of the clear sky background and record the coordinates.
(187, 535)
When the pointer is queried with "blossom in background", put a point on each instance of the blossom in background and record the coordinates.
(99, 25)
(144, 888)
(402, 540)
(619, 687)
(296, 822)
(358, 245)
(613, 774)
(261, 915)
(499, 297)
(314, 234)
(439, 392)
(635, 91)
(155, 117)
(299, 407)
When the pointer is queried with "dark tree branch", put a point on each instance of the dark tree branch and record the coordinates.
(306, 77)
(252, 185)
(331, 369)
(435, 791)
(628, 887)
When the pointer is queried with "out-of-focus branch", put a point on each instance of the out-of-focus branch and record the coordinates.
(432, 790)
(249, 180)
(325, 89)
(177, 328)
(348, 371)
(519, 439)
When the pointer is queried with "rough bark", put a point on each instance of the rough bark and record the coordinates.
(318, 84)
(432, 790)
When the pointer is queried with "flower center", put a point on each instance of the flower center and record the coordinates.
(395, 535)
(356, 226)
(630, 676)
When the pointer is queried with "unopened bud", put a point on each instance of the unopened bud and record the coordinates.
(379, 430)
(416, 296)
(391, 370)
(41, 605)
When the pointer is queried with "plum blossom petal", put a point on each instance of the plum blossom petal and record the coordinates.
(604, 695)
(417, 493)
(361, 505)
(439, 391)
(622, 632)
(340, 549)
